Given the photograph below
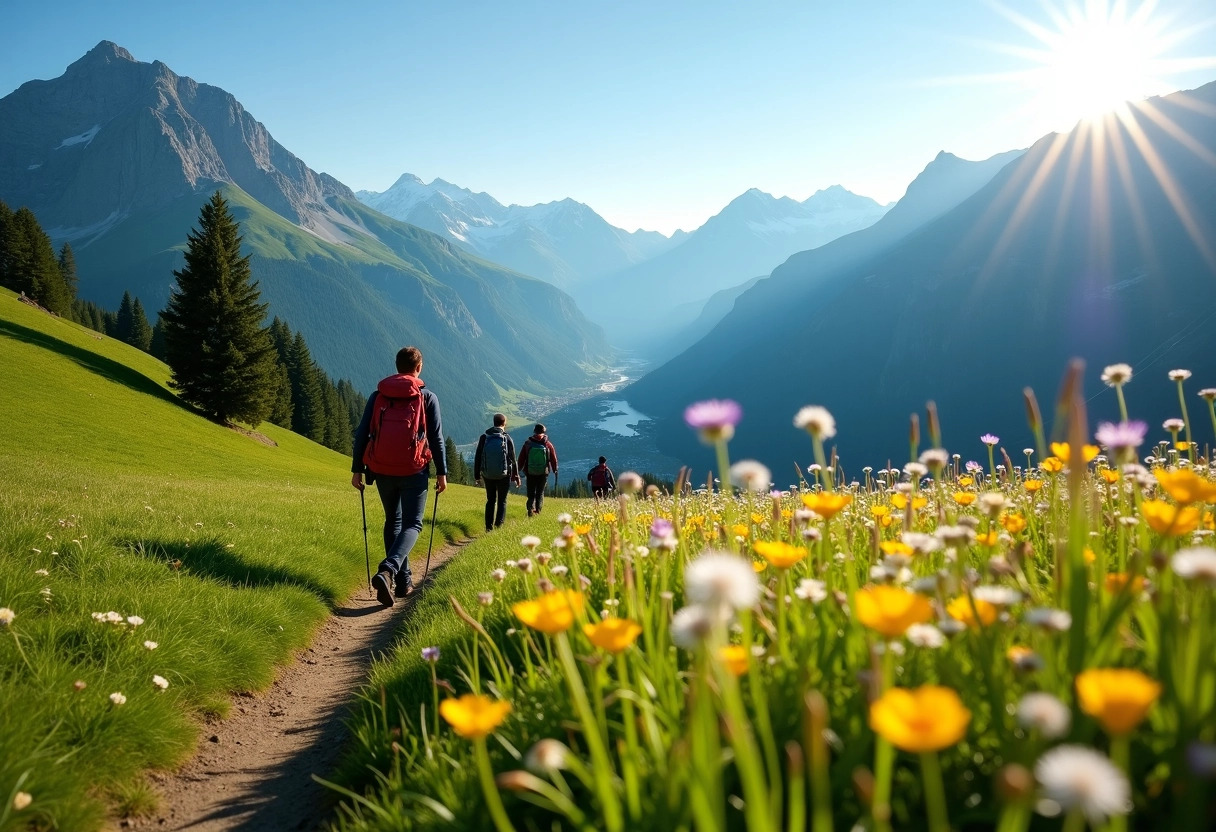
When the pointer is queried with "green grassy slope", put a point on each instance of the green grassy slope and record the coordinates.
(230, 549)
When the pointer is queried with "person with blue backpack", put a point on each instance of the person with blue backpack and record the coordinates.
(537, 458)
(400, 434)
(494, 463)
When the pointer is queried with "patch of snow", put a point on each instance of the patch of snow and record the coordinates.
(85, 234)
(84, 138)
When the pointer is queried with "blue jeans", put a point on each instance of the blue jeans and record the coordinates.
(404, 500)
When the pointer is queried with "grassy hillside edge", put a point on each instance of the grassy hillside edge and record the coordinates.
(218, 553)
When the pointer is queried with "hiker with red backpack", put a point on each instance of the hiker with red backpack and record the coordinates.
(602, 480)
(400, 433)
(494, 462)
(536, 459)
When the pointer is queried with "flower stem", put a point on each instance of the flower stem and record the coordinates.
(493, 800)
(935, 792)
(1186, 420)
(601, 765)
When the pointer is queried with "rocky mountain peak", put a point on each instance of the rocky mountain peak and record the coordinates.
(105, 53)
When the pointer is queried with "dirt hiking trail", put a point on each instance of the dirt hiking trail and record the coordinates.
(253, 771)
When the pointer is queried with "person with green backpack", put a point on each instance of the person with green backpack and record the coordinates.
(537, 458)
(494, 462)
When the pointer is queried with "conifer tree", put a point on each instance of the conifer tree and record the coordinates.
(458, 469)
(308, 404)
(7, 246)
(157, 346)
(221, 356)
(141, 330)
(337, 425)
(33, 267)
(281, 410)
(125, 322)
(67, 269)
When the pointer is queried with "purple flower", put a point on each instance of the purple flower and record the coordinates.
(430, 654)
(990, 440)
(1121, 435)
(715, 419)
(660, 528)
(972, 466)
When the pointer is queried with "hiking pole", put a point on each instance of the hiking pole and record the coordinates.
(366, 552)
(434, 514)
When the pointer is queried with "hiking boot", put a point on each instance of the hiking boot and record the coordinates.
(381, 584)
(403, 587)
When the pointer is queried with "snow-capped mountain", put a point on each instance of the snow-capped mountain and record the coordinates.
(562, 242)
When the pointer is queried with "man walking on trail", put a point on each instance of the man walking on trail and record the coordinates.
(537, 458)
(401, 432)
(602, 480)
(494, 462)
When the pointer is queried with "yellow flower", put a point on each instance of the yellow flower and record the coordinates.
(644, 520)
(759, 566)
(1169, 520)
(740, 530)
(927, 718)
(966, 481)
(695, 520)
(1119, 699)
(1063, 450)
(1182, 446)
(1117, 582)
(786, 514)
(983, 612)
(895, 547)
(734, 656)
(1013, 523)
(474, 716)
(889, 610)
(826, 505)
(1109, 474)
(1090, 557)
(900, 501)
(964, 498)
(1052, 465)
(613, 634)
(880, 511)
(1032, 485)
(758, 518)
(582, 528)
(986, 538)
(551, 613)
(1186, 486)
(886, 521)
(608, 517)
(779, 554)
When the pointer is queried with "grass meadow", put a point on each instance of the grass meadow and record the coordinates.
(153, 563)
(951, 644)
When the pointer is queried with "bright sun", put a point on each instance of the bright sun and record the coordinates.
(1092, 56)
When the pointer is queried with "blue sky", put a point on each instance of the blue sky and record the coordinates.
(654, 114)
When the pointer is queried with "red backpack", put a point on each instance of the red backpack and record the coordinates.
(599, 476)
(397, 445)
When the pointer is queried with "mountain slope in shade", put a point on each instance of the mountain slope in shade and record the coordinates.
(1098, 245)
(562, 242)
(752, 235)
(118, 156)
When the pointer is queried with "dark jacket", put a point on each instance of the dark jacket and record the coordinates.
(609, 483)
(479, 457)
(434, 431)
(537, 439)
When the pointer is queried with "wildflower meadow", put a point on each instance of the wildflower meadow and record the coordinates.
(948, 644)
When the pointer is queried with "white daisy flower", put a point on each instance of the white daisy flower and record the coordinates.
(1044, 713)
(1117, 374)
(160, 681)
(1075, 777)
(925, 635)
(117, 698)
(529, 541)
(1048, 618)
(998, 596)
(6, 616)
(1179, 375)
(809, 589)
(1198, 563)
(690, 626)
(150, 645)
(134, 620)
(816, 421)
(721, 579)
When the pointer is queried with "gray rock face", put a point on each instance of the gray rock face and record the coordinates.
(113, 135)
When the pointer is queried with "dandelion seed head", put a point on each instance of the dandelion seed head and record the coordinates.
(690, 626)
(721, 579)
(1075, 777)
(1173, 424)
(1044, 713)
(1179, 375)
(752, 475)
(925, 635)
(150, 645)
(1197, 563)
(809, 589)
(161, 682)
(117, 698)
(499, 575)
(630, 482)
(816, 421)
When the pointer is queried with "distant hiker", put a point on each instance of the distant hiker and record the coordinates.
(536, 459)
(602, 480)
(494, 462)
(400, 433)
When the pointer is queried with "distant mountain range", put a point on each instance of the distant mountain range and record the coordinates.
(117, 156)
(561, 242)
(1094, 243)
(641, 305)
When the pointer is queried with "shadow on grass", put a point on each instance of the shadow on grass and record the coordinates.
(99, 364)
(212, 560)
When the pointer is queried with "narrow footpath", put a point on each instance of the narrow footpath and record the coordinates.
(253, 771)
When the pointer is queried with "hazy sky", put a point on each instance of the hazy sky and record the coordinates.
(656, 114)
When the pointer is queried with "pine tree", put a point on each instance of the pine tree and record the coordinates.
(67, 269)
(33, 267)
(280, 411)
(157, 346)
(125, 322)
(307, 399)
(458, 469)
(141, 330)
(221, 356)
(353, 400)
(337, 424)
(8, 246)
